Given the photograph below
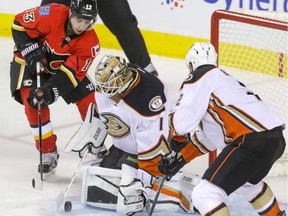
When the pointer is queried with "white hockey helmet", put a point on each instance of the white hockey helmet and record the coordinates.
(201, 54)
(112, 76)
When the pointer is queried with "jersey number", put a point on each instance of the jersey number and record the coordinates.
(28, 17)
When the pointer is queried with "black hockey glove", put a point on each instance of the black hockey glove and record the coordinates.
(178, 142)
(32, 54)
(46, 95)
(170, 164)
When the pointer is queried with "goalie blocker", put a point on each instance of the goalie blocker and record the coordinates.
(100, 188)
(91, 134)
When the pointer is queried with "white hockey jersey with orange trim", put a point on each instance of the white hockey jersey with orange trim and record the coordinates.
(138, 124)
(223, 108)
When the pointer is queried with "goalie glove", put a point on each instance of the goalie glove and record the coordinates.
(132, 198)
(91, 134)
(177, 142)
(170, 164)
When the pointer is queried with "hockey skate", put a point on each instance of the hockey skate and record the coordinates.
(49, 161)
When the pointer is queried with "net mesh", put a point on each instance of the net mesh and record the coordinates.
(258, 56)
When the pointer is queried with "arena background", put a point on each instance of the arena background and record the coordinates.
(169, 27)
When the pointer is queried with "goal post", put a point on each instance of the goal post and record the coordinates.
(253, 47)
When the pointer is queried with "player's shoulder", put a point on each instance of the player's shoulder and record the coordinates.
(199, 73)
(51, 13)
(91, 37)
(87, 44)
(50, 10)
(147, 96)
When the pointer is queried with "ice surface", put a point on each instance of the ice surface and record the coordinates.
(19, 158)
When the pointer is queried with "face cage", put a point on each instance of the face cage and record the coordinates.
(111, 87)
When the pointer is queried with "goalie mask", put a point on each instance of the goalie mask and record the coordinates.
(201, 54)
(113, 76)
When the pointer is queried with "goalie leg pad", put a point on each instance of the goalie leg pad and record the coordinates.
(176, 194)
(100, 186)
(188, 181)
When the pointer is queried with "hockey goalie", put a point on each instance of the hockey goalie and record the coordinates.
(112, 180)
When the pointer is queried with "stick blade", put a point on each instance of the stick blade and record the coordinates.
(59, 200)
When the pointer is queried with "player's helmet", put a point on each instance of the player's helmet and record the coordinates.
(85, 9)
(201, 54)
(113, 76)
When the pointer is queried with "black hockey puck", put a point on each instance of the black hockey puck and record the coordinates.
(68, 206)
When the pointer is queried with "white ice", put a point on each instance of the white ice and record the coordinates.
(19, 158)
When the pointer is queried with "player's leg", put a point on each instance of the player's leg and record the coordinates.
(261, 197)
(111, 160)
(257, 192)
(118, 17)
(21, 81)
(49, 148)
(237, 164)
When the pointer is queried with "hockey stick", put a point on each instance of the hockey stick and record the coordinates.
(157, 195)
(34, 183)
(61, 196)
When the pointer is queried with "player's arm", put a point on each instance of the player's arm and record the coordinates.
(71, 72)
(199, 144)
(25, 35)
(76, 66)
(64, 81)
(19, 34)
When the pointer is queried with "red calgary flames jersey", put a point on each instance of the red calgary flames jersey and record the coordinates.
(71, 54)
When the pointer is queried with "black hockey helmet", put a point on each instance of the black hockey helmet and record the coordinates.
(85, 9)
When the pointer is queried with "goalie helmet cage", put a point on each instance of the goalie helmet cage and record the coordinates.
(253, 47)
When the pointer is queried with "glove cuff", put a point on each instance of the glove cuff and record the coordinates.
(54, 92)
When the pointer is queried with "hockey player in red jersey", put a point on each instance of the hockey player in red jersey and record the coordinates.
(63, 40)
(220, 112)
(119, 19)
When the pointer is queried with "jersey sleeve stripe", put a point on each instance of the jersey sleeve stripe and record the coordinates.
(69, 74)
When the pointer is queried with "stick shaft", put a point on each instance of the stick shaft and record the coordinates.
(157, 194)
(38, 71)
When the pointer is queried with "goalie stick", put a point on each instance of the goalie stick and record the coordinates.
(61, 196)
(157, 195)
(34, 183)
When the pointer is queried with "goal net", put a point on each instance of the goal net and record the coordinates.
(253, 47)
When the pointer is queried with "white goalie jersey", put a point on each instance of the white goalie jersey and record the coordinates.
(205, 99)
(138, 124)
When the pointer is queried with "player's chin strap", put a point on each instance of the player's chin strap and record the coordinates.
(92, 133)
